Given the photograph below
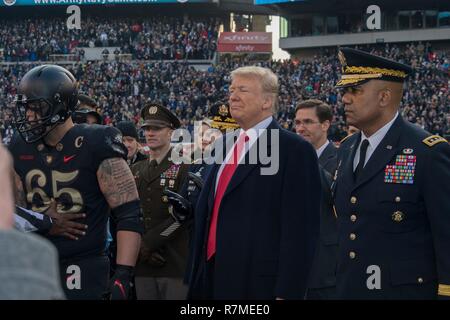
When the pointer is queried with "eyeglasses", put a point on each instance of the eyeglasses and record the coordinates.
(306, 123)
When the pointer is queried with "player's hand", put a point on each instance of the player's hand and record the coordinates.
(197, 180)
(63, 224)
(181, 208)
(121, 283)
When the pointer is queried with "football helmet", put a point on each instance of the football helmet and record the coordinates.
(46, 97)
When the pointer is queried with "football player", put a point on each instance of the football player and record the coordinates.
(83, 168)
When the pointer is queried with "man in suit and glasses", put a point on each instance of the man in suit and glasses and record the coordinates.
(312, 121)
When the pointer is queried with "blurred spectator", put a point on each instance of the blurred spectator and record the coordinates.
(28, 263)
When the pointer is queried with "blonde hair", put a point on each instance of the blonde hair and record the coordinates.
(268, 80)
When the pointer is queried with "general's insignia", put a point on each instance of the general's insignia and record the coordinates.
(432, 140)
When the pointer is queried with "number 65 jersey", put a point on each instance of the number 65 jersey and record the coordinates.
(67, 172)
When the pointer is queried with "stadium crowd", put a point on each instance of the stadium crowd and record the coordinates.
(121, 89)
(146, 39)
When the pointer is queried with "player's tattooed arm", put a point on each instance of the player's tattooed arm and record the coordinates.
(116, 182)
(19, 194)
(117, 185)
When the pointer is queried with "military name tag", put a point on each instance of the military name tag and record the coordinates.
(402, 171)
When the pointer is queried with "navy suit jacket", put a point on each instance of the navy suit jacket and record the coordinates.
(328, 158)
(267, 225)
(323, 274)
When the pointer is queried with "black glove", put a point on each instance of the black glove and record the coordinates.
(181, 208)
(197, 180)
(121, 283)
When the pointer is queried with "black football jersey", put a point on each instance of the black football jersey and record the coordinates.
(67, 173)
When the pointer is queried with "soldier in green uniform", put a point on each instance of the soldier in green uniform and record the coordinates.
(164, 251)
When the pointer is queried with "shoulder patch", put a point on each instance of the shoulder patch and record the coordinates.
(432, 140)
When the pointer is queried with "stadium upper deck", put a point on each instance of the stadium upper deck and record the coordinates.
(322, 23)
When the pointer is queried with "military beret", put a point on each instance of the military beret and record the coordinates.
(128, 129)
(359, 67)
(221, 117)
(156, 115)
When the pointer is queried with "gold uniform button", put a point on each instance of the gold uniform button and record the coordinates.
(352, 255)
(420, 280)
(353, 218)
(397, 199)
(165, 199)
(352, 236)
(353, 200)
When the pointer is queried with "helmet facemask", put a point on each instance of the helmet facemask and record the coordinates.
(35, 118)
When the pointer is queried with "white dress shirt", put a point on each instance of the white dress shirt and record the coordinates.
(374, 141)
(253, 134)
(322, 148)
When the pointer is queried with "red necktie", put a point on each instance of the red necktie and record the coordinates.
(224, 179)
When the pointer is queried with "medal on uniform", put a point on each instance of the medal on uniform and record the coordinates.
(172, 172)
(162, 182)
(403, 170)
(171, 183)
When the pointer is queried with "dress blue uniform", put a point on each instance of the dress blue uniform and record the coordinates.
(394, 218)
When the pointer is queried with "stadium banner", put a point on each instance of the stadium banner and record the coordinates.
(275, 1)
(252, 42)
(10, 3)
